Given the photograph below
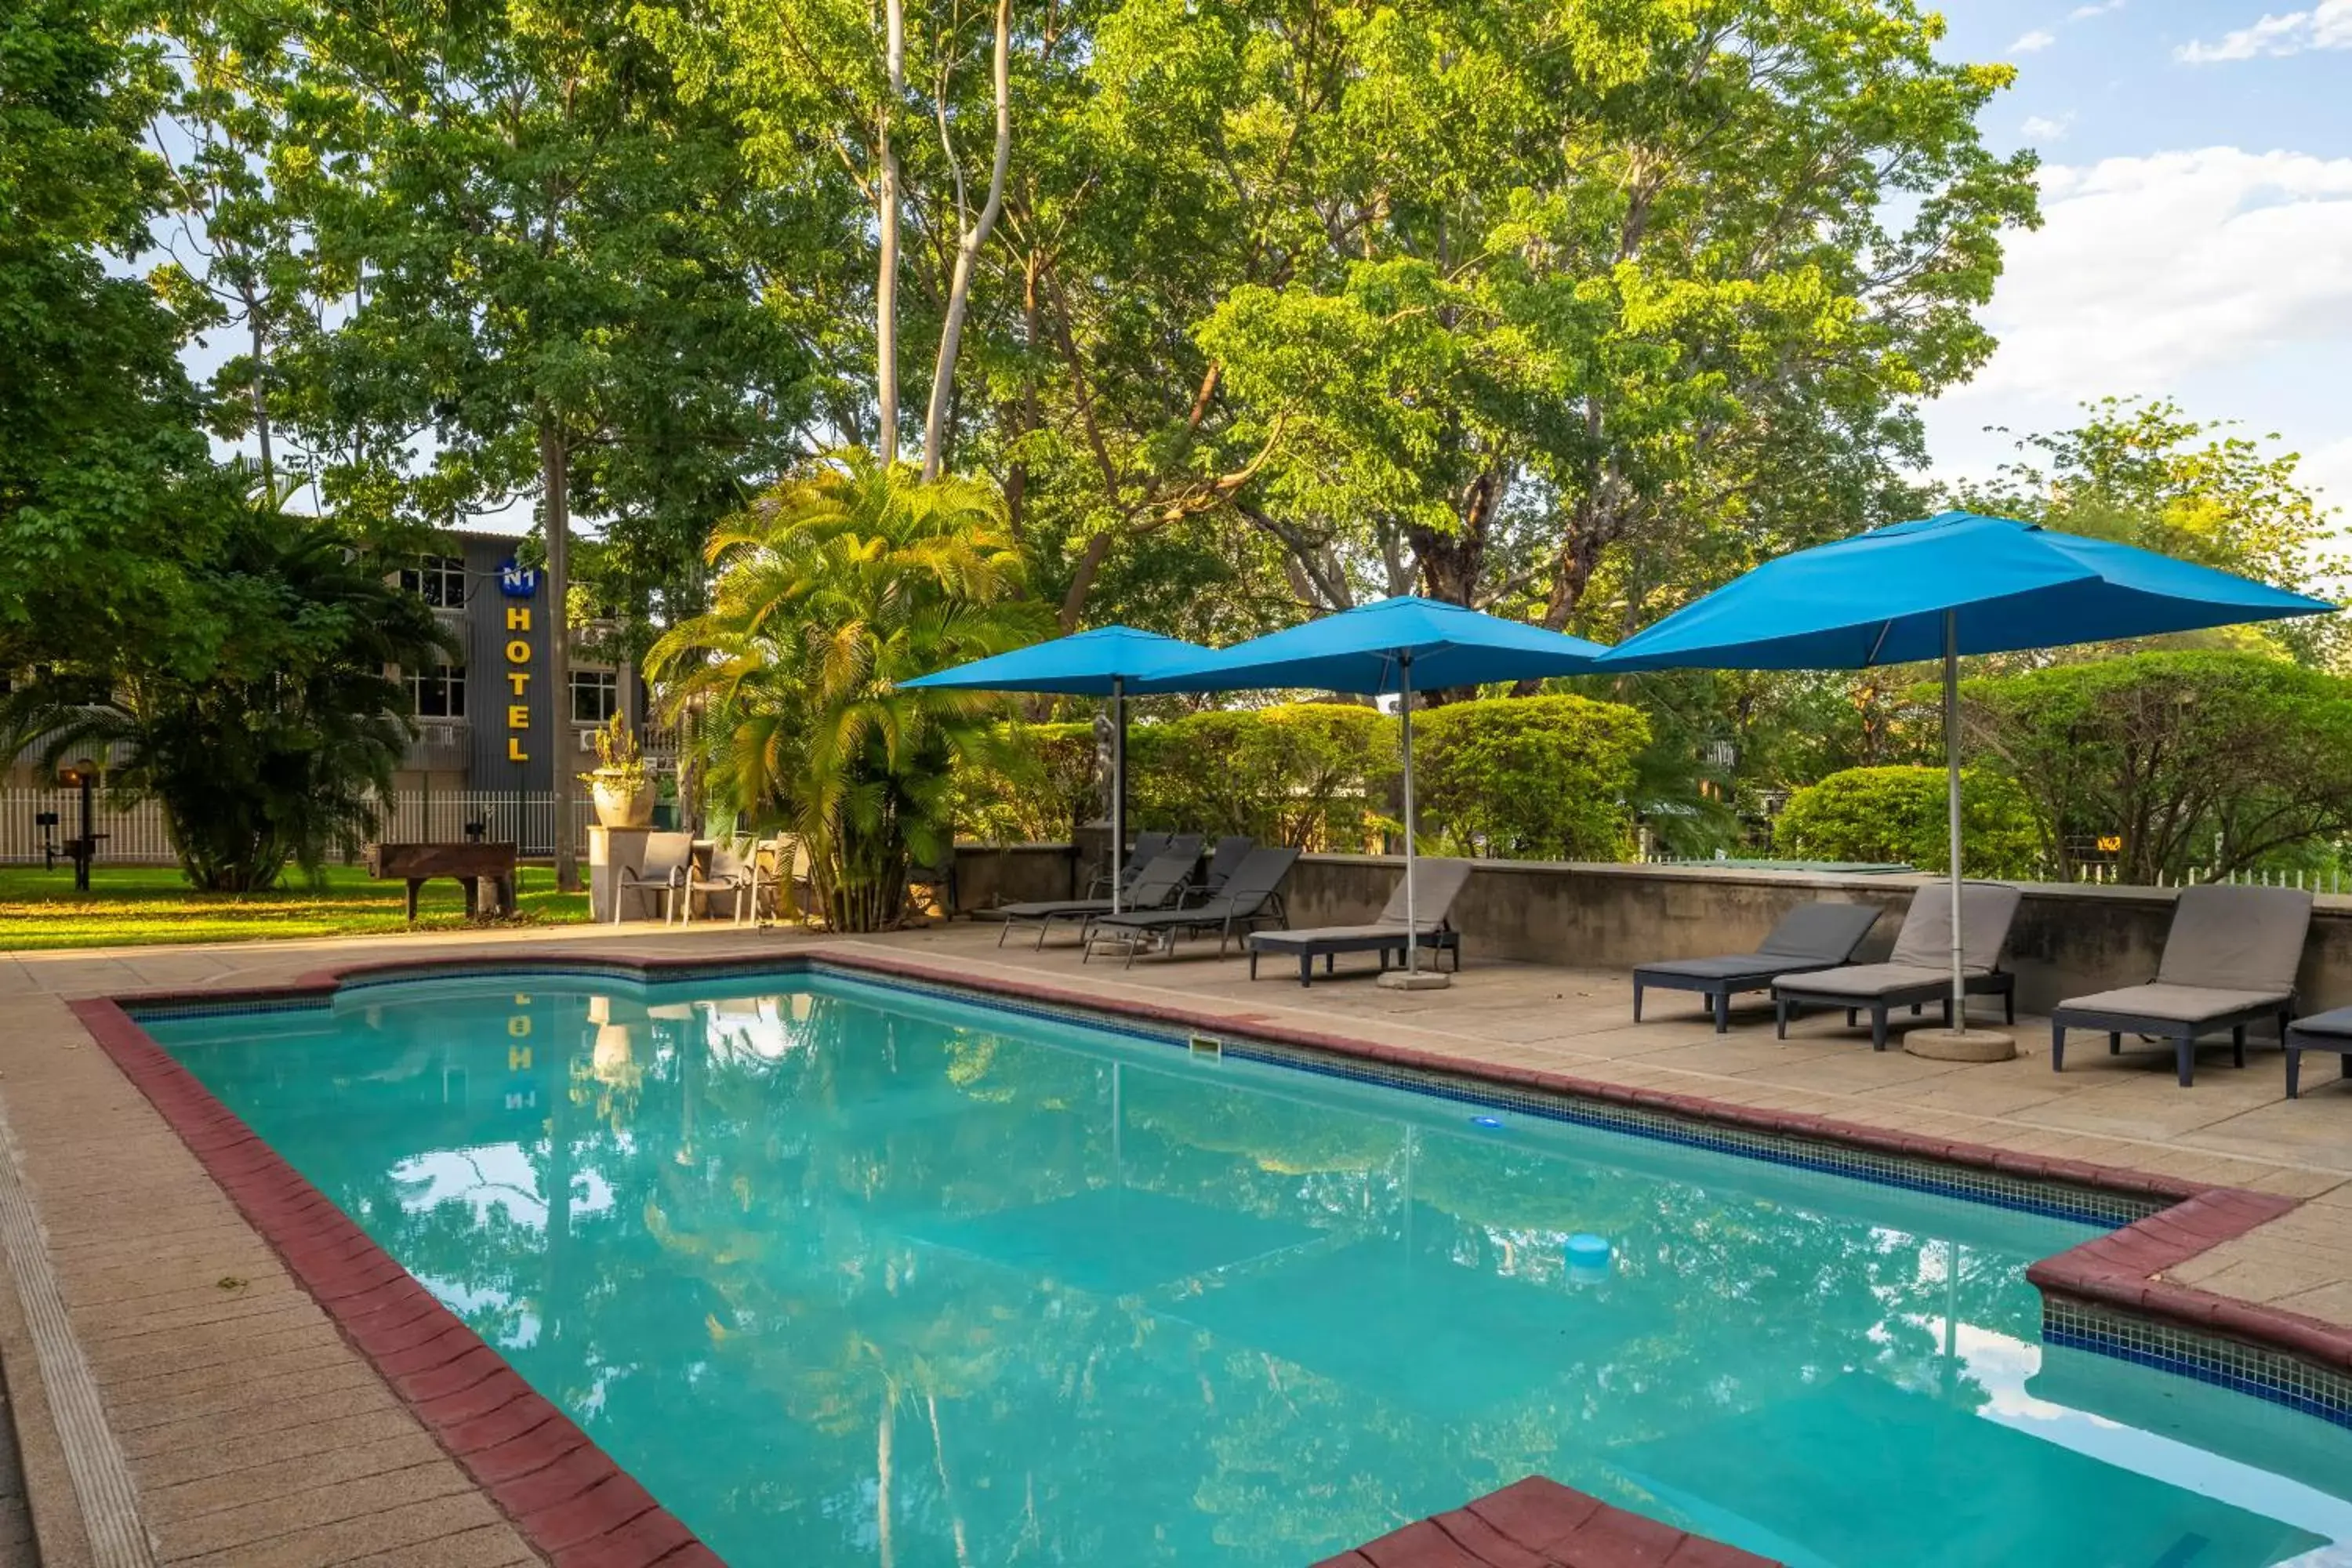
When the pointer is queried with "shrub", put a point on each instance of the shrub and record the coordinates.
(1537, 778)
(2192, 760)
(1314, 775)
(1899, 814)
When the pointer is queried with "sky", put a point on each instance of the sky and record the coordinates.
(2196, 236)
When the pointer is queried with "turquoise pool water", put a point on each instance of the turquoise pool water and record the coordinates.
(853, 1276)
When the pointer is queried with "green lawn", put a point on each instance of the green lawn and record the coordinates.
(139, 905)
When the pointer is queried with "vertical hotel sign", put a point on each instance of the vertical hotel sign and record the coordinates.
(519, 585)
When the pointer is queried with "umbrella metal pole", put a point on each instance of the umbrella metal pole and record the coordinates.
(1952, 807)
(1411, 916)
(1117, 789)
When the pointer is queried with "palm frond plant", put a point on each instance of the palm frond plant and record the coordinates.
(273, 745)
(831, 589)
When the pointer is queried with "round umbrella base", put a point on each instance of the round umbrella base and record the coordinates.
(1952, 1046)
(1414, 980)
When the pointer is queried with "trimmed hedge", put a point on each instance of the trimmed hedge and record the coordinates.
(1314, 775)
(1899, 814)
(1529, 778)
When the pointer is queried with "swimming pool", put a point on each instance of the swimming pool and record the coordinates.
(849, 1274)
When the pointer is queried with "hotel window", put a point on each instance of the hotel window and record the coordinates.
(595, 696)
(438, 692)
(438, 580)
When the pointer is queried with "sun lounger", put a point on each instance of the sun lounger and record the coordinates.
(1811, 936)
(1252, 897)
(2329, 1031)
(1148, 846)
(1224, 861)
(1157, 885)
(1439, 883)
(2228, 960)
(1919, 970)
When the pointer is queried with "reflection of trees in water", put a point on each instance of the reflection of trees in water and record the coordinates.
(758, 1277)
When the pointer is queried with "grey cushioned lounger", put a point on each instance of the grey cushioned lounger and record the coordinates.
(1252, 896)
(1811, 936)
(2228, 960)
(1224, 861)
(1439, 883)
(1159, 884)
(1919, 970)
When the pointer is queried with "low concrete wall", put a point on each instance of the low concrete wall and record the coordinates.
(987, 876)
(2069, 940)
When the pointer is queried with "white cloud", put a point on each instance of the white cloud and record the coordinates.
(2148, 270)
(2041, 128)
(2039, 38)
(2084, 13)
(2326, 26)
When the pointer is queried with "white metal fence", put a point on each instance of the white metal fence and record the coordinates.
(2093, 874)
(135, 836)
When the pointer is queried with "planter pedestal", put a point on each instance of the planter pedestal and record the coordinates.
(610, 851)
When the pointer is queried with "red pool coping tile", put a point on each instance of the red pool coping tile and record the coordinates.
(1540, 1523)
(476, 1409)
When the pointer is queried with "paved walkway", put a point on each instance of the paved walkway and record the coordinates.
(256, 1435)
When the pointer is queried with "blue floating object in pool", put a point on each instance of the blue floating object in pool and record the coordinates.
(1486, 1122)
(1588, 1258)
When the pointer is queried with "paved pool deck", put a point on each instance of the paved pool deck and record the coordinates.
(235, 1425)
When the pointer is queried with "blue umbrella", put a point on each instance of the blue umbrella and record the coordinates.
(1390, 645)
(1943, 586)
(1109, 661)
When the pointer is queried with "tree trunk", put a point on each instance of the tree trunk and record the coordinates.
(967, 247)
(555, 482)
(260, 393)
(886, 282)
(1082, 581)
(1016, 480)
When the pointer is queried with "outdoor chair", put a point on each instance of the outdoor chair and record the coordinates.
(1148, 846)
(662, 874)
(1224, 861)
(1438, 885)
(1919, 970)
(1811, 936)
(2228, 960)
(729, 874)
(1159, 885)
(1251, 898)
(2329, 1031)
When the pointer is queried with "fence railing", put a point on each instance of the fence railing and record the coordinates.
(2090, 875)
(135, 836)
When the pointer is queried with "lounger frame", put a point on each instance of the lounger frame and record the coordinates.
(2182, 1033)
(1789, 998)
(1719, 989)
(1390, 945)
(2330, 1031)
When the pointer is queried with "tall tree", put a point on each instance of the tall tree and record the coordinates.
(540, 286)
(856, 81)
(2142, 471)
(105, 483)
(1601, 275)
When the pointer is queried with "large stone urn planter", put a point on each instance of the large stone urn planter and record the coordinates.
(620, 803)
